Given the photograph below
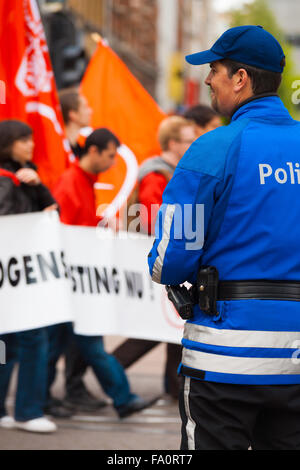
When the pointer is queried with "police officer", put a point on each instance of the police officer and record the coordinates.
(239, 187)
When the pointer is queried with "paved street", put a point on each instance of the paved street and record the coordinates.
(157, 428)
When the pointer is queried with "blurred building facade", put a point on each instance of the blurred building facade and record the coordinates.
(152, 37)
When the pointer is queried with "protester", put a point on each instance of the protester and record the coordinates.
(175, 135)
(76, 114)
(241, 385)
(21, 191)
(204, 118)
(75, 194)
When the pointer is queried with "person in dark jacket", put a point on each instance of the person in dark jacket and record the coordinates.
(21, 191)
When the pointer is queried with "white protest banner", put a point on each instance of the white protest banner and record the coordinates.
(33, 289)
(52, 273)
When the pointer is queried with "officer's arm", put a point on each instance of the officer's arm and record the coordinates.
(181, 226)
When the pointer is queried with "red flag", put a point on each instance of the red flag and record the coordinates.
(120, 103)
(31, 95)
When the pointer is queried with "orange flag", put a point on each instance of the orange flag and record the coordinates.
(120, 103)
(30, 90)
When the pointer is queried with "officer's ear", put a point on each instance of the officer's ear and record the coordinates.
(241, 79)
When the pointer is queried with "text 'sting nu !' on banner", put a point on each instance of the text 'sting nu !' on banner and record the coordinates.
(54, 273)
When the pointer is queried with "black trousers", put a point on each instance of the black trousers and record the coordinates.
(218, 416)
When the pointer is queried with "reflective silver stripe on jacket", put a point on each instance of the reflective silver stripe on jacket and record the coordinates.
(242, 338)
(240, 365)
(163, 245)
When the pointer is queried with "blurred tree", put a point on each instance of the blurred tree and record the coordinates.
(259, 13)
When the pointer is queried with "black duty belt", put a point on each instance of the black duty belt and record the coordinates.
(209, 289)
(264, 290)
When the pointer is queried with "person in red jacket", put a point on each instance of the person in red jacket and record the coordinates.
(175, 134)
(74, 193)
(74, 190)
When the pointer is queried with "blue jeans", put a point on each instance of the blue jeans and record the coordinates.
(30, 349)
(109, 372)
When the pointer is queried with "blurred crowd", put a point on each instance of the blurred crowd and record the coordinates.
(21, 191)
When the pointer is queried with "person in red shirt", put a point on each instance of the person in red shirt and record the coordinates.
(74, 193)
(77, 115)
(175, 135)
(74, 190)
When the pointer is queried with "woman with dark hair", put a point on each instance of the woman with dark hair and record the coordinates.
(21, 191)
(20, 187)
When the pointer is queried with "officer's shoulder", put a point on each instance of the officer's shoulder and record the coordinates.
(208, 153)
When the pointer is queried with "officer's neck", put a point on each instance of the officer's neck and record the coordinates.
(249, 99)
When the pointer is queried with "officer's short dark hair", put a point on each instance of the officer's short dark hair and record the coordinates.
(69, 101)
(263, 81)
(101, 138)
(200, 114)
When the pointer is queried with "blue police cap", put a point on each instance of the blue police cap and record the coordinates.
(251, 45)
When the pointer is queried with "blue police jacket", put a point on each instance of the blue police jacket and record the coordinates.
(234, 203)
